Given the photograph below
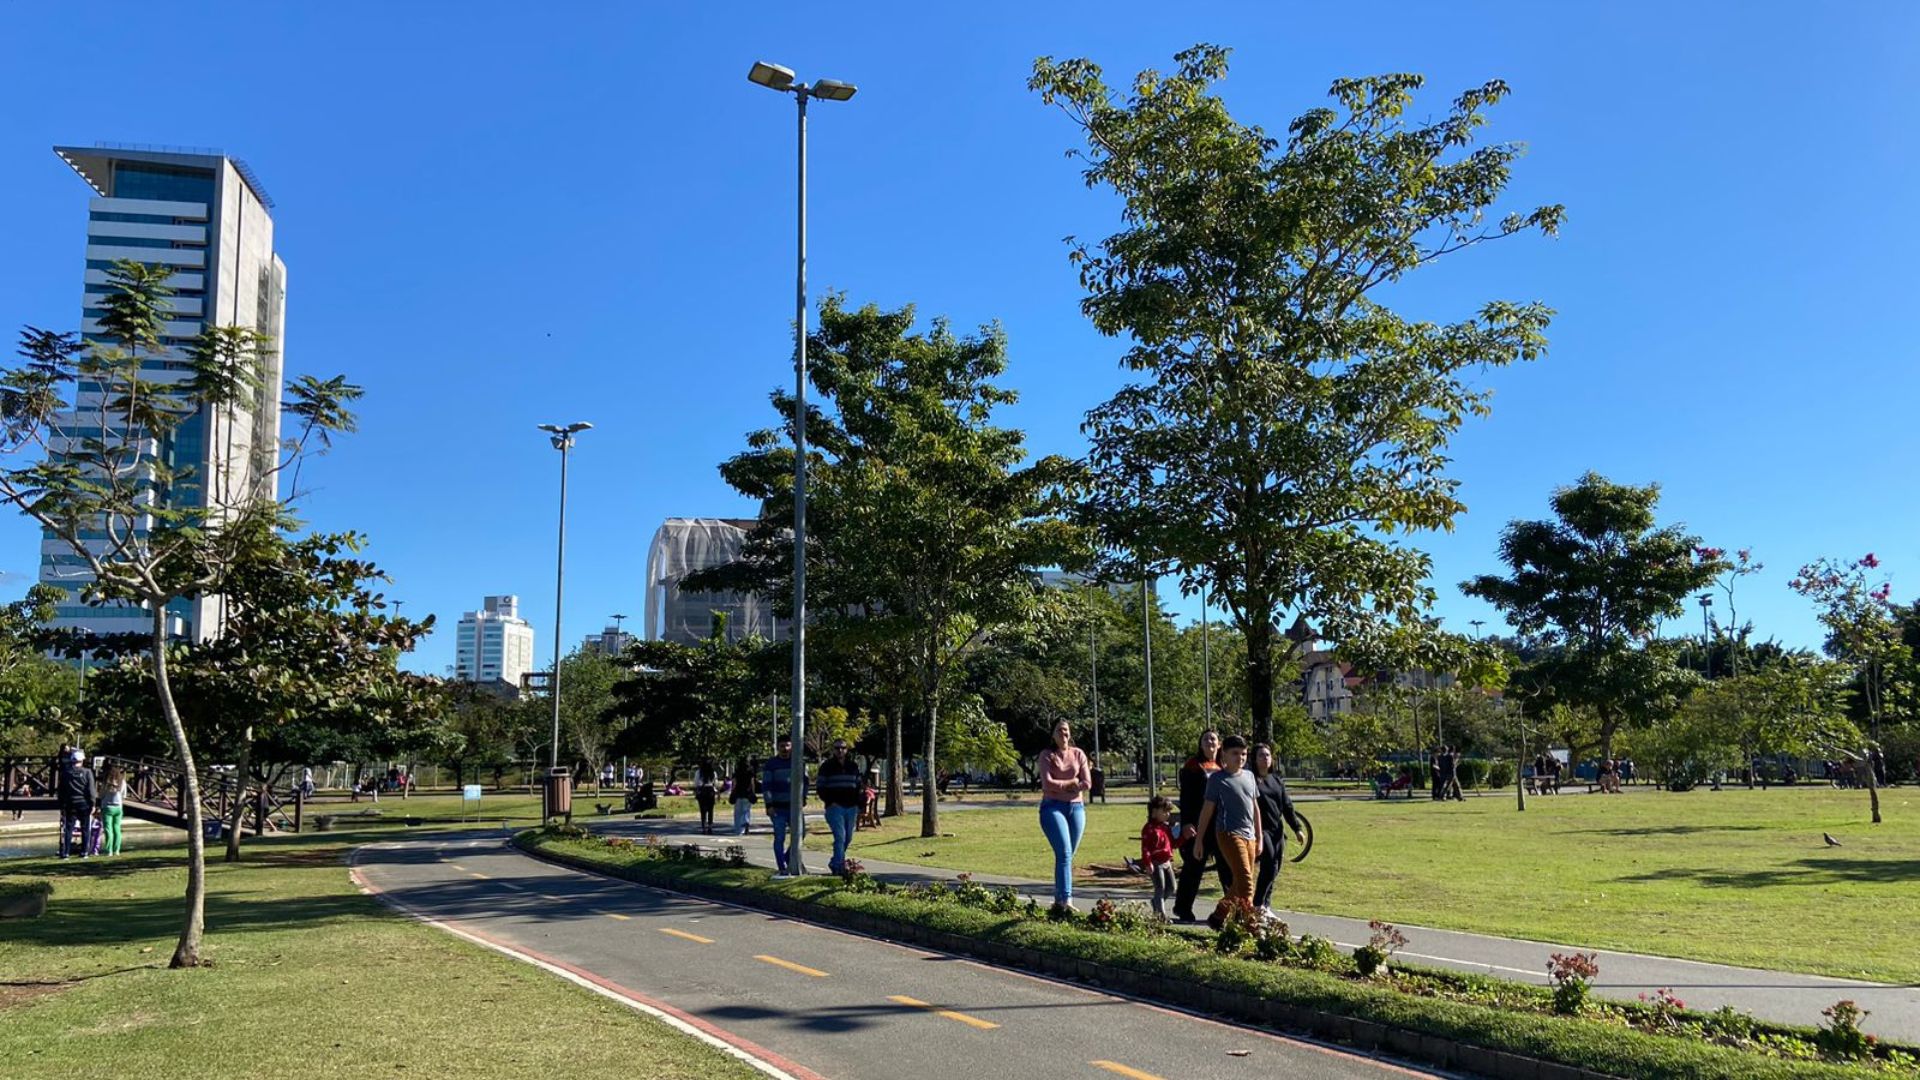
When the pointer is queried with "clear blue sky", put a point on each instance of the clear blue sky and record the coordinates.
(496, 215)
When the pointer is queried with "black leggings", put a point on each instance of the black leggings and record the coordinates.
(1269, 864)
(704, 796)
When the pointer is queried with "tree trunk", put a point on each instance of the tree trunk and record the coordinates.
(1873, 790)
(896, 762)
(1260, 677)
(187, 952)
(929, 785)
(239, 811)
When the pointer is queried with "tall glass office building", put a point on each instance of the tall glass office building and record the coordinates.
(205, 215)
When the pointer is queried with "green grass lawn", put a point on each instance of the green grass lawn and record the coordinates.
(309, 978)
(514, 806)
(1730, 876)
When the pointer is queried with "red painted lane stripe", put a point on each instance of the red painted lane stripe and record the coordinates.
(798, 1071)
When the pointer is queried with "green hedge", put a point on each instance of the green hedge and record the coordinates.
(1595, 1044)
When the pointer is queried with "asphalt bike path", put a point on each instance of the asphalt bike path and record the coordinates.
(811, 1003)
(1781, 997)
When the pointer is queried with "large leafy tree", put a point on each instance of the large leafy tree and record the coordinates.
(692, 702)
(37, 694)
(305, 669)
(927, 521)
(1588, 591)
(102, 478)
(1288, 427)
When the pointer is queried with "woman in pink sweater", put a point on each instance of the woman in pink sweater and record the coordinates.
(1065, 779)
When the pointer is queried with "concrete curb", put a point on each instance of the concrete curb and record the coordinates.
(1352, 1032)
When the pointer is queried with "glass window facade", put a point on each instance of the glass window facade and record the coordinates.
(172, 183)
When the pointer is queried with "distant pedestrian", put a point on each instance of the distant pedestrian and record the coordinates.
(1231, 815)
(1276, 810)
(743, 796)
(1156, 851)
(706, 782)
(113, 794)
(77, 794)
(1065, 779)
(776, 784)
(1193, 797)
(838, 782)
(607, 775)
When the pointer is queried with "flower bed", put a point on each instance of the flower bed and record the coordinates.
(1257, 972)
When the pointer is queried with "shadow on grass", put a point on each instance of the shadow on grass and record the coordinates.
(1670, 830)
(1832, 870)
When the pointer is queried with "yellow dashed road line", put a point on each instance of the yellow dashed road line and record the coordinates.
(1122, 1070)
(616, 915)
(687, 936)
(970, 1021)
(475, 873)
(791, 966)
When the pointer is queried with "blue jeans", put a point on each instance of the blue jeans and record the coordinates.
(1063, 822)
(781, 821)
(841, 820)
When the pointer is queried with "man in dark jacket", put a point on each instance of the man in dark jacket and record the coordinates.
(1193, 798)
(776, 783)
(838, 782)
(75, 790)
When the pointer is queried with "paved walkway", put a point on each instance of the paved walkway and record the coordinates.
(809, 1002)
(1782, 997)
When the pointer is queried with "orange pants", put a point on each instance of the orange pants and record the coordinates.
(1242, 857)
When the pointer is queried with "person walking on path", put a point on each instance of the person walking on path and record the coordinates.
(838, 782)
(776, 784)
(1231, 816)
(1065, 779)
(77, 796)
(706, 782)
(113, 794)
(1276, 808)
(1193, 796)
(1156, 851)
(743, 796)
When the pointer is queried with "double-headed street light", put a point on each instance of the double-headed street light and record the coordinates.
(775, 77)
(562, 438)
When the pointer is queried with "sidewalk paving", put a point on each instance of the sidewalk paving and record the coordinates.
(1782, 997)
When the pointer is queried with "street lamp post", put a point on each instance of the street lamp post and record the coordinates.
(775, 77)
(562, 439)
(1706, 631)
(1146, 648)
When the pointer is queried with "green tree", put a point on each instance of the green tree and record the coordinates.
(927, 524)
(1864, 630)
(1289, 426)
(692, 702)
(101, 480)
(1589, 589)
(37, 694)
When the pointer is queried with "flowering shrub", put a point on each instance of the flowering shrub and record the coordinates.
(1840, 1037)
(1006, 900)
(1104, 915)
(1663, 1007)
(1385, 940)
(1237, 930)
(621, 843)
(852, 868)
(1272, 942)
(1317, 953)
(970, 892)
(1572, 975)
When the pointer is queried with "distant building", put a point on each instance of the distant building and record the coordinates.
(609, 642)
(683, 546)
(493, 644)
(1326, 686)
(205, 217)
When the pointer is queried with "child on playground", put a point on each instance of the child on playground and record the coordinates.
(1156, 851)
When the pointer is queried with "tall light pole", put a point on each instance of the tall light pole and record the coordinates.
(775, 77)
(1093, 684)
(1146, 647)
(1706, 630)
(562, 439)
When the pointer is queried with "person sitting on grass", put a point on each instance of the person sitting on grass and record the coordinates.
(1231, 815)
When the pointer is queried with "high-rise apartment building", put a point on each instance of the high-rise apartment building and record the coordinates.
(206, 216)
(494, 643)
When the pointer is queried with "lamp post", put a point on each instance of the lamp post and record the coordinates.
(1146, 648)
(1093, 684)
(775, 77)
(562, 439)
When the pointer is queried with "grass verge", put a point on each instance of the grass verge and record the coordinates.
(1175, 967)
(309, 976)
(1734, 877)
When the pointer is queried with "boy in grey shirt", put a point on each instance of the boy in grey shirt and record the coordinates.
(1232, 811)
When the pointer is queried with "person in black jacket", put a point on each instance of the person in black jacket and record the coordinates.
(1193, 797)
(77, 796)
(1276, 809)
(838, 782)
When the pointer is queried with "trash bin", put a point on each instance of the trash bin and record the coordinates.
(1099, 784)
(558, 794)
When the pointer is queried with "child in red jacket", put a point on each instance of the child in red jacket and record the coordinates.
(1156, 851)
